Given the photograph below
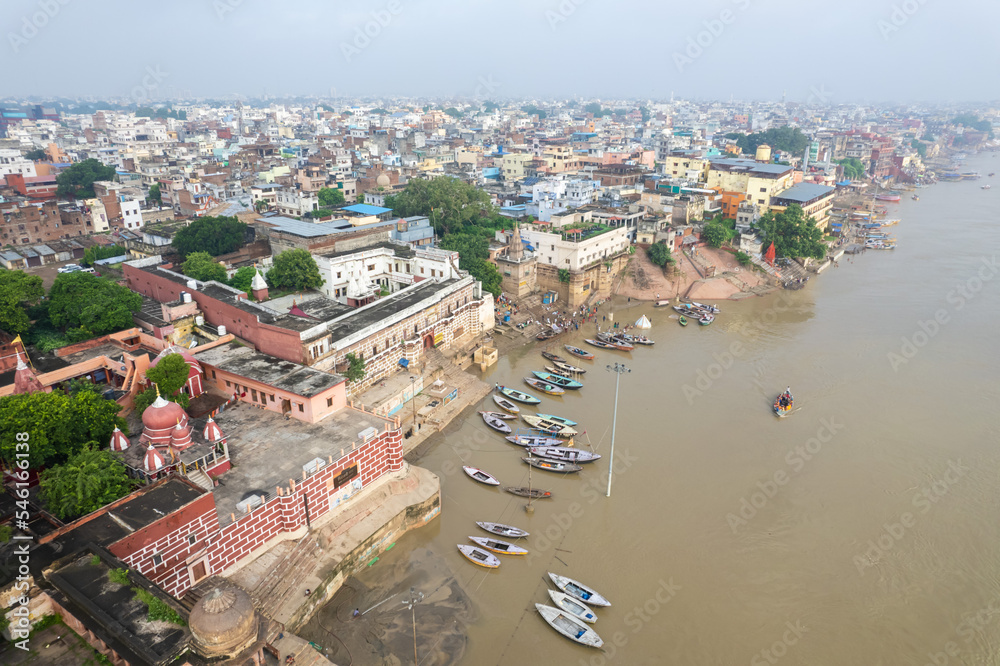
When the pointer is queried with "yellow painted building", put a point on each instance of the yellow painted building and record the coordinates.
(759, 181)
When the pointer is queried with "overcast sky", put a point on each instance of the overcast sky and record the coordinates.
(846, 51)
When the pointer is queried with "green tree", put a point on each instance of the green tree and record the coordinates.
(453, 112)
(564, 275)
(295, 269)
(83, 484)
(58, 425)
(98, 252)
(215, 235)
(77, 182)
(793, 234)
(170, 375)
(154, 195)
(787, 138)
(319, 212)
(485, 272)
(473, 252)
(920, 148)
(330, 197)
(659, 254)
(242, 278)
(644, 112)
(533, 110)
(35, 155)
(743, 258)
(18, 291)
(91, 303)
(355, 368)
(203, 266)
(450, 203)
(261, 205)
(973, 121)
(716, 233)
(853, 168)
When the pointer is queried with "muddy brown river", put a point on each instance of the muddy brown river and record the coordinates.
(862, 529)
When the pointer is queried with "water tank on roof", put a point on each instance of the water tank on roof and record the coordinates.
(192, 284)
(186, 297)
(199, 321)
(222, 331)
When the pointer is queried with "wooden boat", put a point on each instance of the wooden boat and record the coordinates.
(576, 351)
(558, 419)
(530, 493)
(558, 380)
(706, 320)
(783, 404)
(533, 440)
(552, 357)
(505, 404)
(615, 341)
(682, 321)
(497, 424)
(500, 415)
(546, 335)
(520, 396)
(707, 308)
(563, 454)
(479, 556)
(481, 476)
(549, 427)
(578, 590)
(497, 546)
(685, 309)
(503, 530)
(574, 607)
(599, 343)
(552, 465)
(566, 367)
(638, 340)
(570, 627)
(662, 303)
(546, 387)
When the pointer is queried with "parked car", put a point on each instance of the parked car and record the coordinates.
(70, 268)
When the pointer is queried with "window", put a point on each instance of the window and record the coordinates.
(329, 402)
(371, 267)
(763, 189)
(760, 201)
(192, 538)
(299, 405)
(157, 559)
(272, 397)
(227, 383)
(213, 374)
(338, 275)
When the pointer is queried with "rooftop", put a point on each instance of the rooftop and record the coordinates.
(366, 209)
(385, 308)
(803, 193)
(292, 377)
(267, 450)
(752, 166)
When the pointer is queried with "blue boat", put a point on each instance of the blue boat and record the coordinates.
(520, 396)
(558, 419)
(558, 380)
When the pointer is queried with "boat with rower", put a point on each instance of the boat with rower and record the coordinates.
(544, 386)
(505, 404)
(566, 367)
(600, 343)
(576, 351)
(705, 320)
(635, 339)
(500, 529)
(519, 396)
(682, 320)
(574, 607)
(563, 454)
(578, 590)
(615, 341)
(498, 546)
(534, 440)
(707, 308)
(530, 493)
(783, 404)
(552, 465)
(497, 424)
(479, 556)
(503, 416)
(570, 627)
(479, 475)
(558, 380)
(552, 357)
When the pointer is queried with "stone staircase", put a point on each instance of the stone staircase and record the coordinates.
(198, 477)
(286, 576)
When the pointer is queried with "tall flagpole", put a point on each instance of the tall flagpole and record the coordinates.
(618, 369)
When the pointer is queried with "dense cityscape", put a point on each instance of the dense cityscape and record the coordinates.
(255, 354)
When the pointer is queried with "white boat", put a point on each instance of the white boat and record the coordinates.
(481, 476)
(479, 556)
(563, 454)
(575, 607)
(498, 546)
(502, 530)
(505, 404)
(569, 626)
(576, 589)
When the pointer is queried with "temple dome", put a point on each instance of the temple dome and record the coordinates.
(383, 180)
(153, 460)
(119, 442)
(163, 415)
(223, 622)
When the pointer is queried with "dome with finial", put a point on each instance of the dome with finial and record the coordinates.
(119, 442)
(212, 432)
(258, 282)
(153, 460)
(180, 437)
(160, 418)
(383, 180)
(223, 622)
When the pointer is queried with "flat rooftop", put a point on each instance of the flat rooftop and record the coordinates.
(387, 307)
(803, 193)
(751, 166)
(285, 375)
(267, 449)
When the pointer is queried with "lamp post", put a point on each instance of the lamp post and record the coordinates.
(413, 399)
(411, 604)
(618, 369)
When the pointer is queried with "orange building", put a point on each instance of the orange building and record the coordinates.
(731, 202)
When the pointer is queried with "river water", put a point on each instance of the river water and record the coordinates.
(863, 529)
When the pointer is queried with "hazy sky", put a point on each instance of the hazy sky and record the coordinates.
(851, 50)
